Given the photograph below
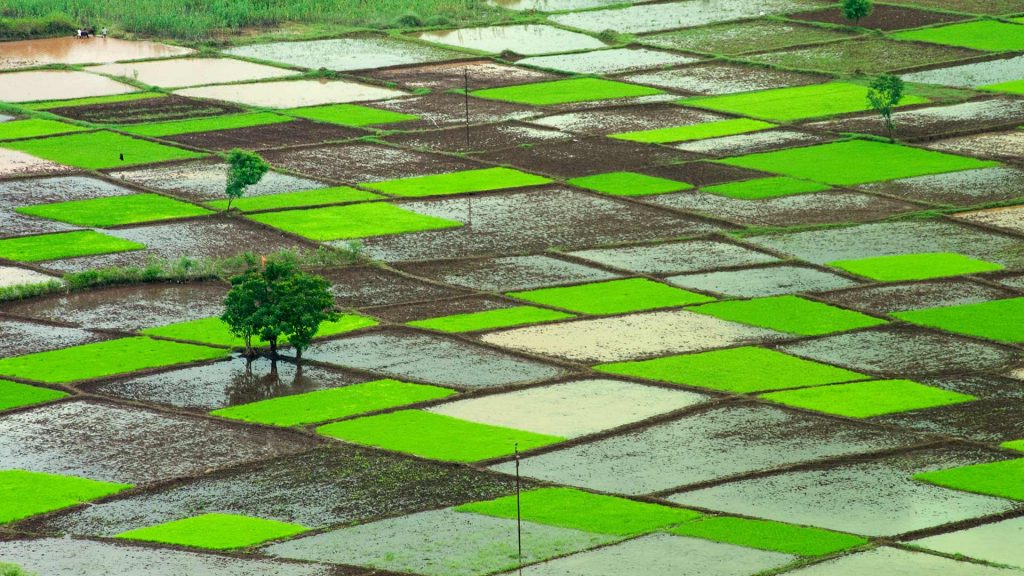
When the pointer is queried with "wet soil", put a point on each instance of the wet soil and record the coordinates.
(718, 78)
(40, 85)
(614, 119)
(762, 281)
(70, 50)
(585, 156)
(146, 110)
(510, 273)
(203, 180)
(887, 298)
(278, 135)
(354, 163)
(935, 122)
(479, 138)
(966, 188)
(403, 313)
(882, 18)
(362, 286)
(18, 337)
(440, 110)
(192, 71)
(676, 258)
(478, 74)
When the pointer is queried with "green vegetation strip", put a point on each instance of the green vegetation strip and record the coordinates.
(915, 266)
(192, 125)
(49, 104)
(304, 198)
(565, 91)
(1013, 87)
(789, 314)
(435, 436)
(1004, 479)
(334, 403)
(14, 395)
(613, 296)
(98, 150)
(349, 115)
(34, 127)
(458, 182)
(769, 535)
(353, 221)
(1017, 445)
(695, 131)
(796, 103)
(29, 493)
(579, 510)
(215, 331)
(215, 531)
(867, 399)
(856, 162)
(115, 210)
(107, 358)
(629, 184)
(997, 319)
(63, 245)
(489, 319)
(980, 35)
(739, 370)
(759, 188)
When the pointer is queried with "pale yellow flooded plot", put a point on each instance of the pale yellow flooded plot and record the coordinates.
(14, 163)
(11, 276)
(39, 85)
(182, 72)
(70, 50)
(294, 93)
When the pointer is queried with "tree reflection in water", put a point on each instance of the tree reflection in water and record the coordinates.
(252, 385)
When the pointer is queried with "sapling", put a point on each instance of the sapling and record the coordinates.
(854, 10)
(884, 95)
(244, 169)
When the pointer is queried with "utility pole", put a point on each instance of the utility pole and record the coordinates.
(519, 514)
(465, 93)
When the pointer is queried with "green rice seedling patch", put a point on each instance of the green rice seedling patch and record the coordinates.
(106, 358)
(1017, 445)
(740, 370)
(350, 115)
(29, 493)
(565, 91)
(215, 332)
(34, 127)
(458, 182)
(629, 184)
(98, 150)
(92, 100)
(1004, 479)
(579, 510)
(981, 35)
(903, 267)
(1013, 87)
(694, 131)
(353, 221)
(14, 395)
(301, 199)
(856, 162)
(613, 296)
(790, 314)
(192, 125)
(215, 531)
(115, 210)
(795, 103)
(769, 535)
(63, 245)
(1001, 320)
(488, 319)
(867, 399)
(772, 187)
(333, 403)
(435, 436)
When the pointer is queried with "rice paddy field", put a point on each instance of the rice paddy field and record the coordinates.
(624, 288)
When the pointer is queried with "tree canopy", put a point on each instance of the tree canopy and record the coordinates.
(244, 169)
(884, 94)
(854, 10)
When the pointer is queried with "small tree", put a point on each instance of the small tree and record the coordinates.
(303, 302)
(249, 291)
(244, 169)
(884, 95)
(854, 10)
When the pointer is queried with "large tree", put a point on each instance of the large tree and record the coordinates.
(244, 169)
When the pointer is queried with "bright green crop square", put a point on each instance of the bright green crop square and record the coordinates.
(34, 127)
(333, 403)
(63, 245)
(579, 510)
(867, 399)
(114, 210)
(997, 319)
(488, 319)
(795, 103)
(435, 436)
(1014, 445)
(458, 182)
(856, 162)
(1013, 87)
(769, 535)
(740, 370)
(1004, 479)
(92, 100)
(980, 35)
(915, 266)
(193, 125)
(629, 184)
(98, 150)
(565, 91)
(215, 531)
(349, 115)
(107, 358)
(301, 199)
(613, 296)
(694, 131)
(14, 395)
(789, 314)
(26, 493)
(759, 188)
(352, 221)
(215, 332)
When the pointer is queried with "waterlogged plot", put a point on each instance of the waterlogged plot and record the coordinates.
(510, 273)
(868, 55)
(987, 35)
(300, 199)
(760, 188)
(63, 245)
(14, 163)
(612, 297)
(71, 50)
(1009, 218)
(789, 314)
(97, 150)
(717, 77)
(491, 319)
(42, 85)
(613, 61)
(363, 162)
(896, 562)
(867, 399)
(225, 122)
(768, 535)
(14, 276)
(994, 320)
(30, 493)
(15, 395)
(1003, 479)
(181, 72)
(19, 337)
(204, 180)
(738, 370)
(900, 297)
(480, 137)
(333, 403)
(676, 257)
(669, 16)
(740, 37)
(352, 221)
(215, 532)
(293, 93)
(566, 91)
(694, 131)
(976, 74)
(883, 17)
(115, 210)
(628, 184)
(902, 267)
(602, 121)
(764, 281)
(986, 542)
(933, 121)
(35, 127)
(354, 53)
(349, 115)
(216, 332)
(481, 180)
(527, 39)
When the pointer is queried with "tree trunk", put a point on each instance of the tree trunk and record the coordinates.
(273, 347)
